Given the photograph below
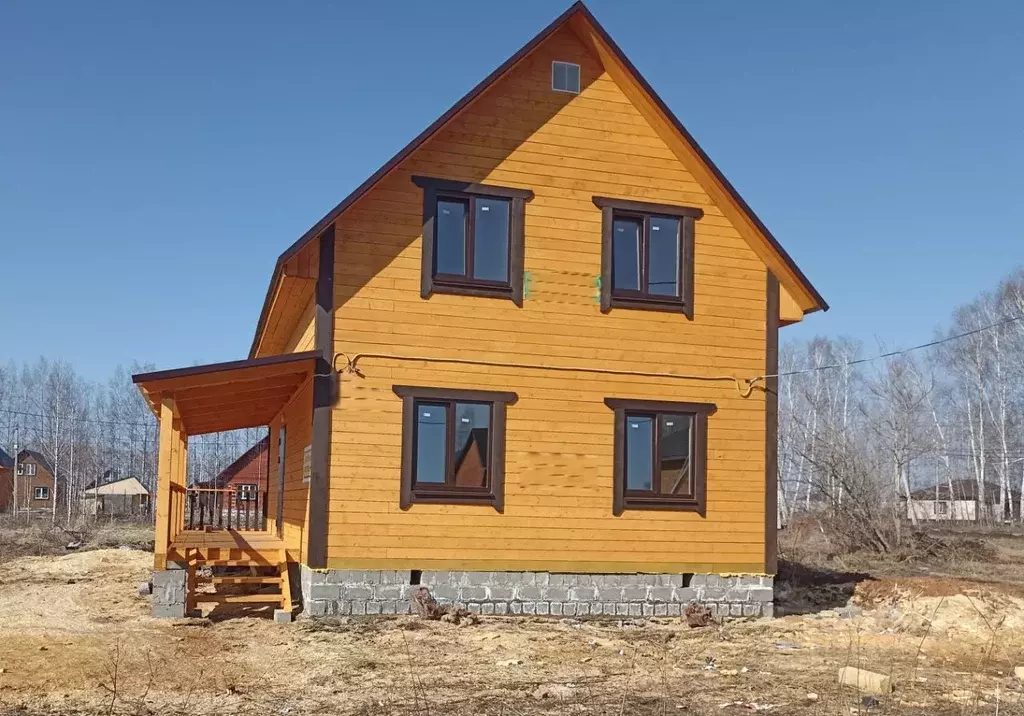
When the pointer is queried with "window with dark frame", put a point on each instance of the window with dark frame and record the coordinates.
(647, 255)
(472, 238)
(453, 446)
(660, 455)
(247, 492)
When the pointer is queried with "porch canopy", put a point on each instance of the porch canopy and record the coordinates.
(227, 396)
(210, 399)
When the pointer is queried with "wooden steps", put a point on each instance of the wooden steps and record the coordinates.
(240, 598)
(267, 571)
(240, 580)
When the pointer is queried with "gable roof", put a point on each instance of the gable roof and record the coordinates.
(6, 461)
(792, 277)
(965, 489)
(37, 457)
(124, 486)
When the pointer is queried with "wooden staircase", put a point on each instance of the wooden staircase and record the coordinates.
(265, 570)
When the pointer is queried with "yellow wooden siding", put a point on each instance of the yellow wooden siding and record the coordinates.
(302, 338)
(558, 489)
(297, 417)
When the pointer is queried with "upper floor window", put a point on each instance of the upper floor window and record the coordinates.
(453, 446)
(472, 238)
(27, 468)
(565, 77)
(660, 455)
(647, 255)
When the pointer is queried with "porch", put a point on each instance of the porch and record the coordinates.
(198, 526)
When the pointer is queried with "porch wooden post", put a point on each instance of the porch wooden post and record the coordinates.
(162, 539)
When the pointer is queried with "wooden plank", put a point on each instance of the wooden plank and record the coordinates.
(242, 580)
(240, 598)
(162, 537)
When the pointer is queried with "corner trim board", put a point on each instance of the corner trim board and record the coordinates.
(324, 393)
(771, 428)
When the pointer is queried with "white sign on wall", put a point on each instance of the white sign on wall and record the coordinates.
(307, 463)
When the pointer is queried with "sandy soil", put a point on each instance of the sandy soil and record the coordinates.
(74, 638)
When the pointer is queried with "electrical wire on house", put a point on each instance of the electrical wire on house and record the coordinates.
(743, 386)
(890, 354)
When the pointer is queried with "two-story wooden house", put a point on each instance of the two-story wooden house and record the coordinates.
(31, 477)
(527, 364)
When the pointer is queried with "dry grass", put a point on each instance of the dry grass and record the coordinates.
(40, 536)
(75, 639)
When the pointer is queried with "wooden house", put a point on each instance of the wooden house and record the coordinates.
(526, 364)
(237, 495)
(32, 475)
(967, 502)
(118, 497)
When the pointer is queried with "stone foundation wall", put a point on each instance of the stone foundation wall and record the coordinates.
(338, 592)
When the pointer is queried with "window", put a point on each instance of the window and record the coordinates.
(942, 508)
(647, 255)
(660, 455)
(247, 492)
(27, 468)
(41, 493)
(565, 77)
(472, 239)
(453, 446)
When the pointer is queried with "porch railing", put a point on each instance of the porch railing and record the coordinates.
(229, 508)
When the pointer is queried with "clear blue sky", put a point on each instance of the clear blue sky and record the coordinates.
(155, 158)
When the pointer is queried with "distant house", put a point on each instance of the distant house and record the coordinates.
(962, 504)
(6, 480)
(115, 497)
(34, 481)
(246, 476)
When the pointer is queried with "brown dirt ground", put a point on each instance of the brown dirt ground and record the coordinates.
(71, 627)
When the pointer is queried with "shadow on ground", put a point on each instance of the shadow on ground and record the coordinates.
(802, 589)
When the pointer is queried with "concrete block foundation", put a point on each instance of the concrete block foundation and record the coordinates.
(169, 593)
(359, 592)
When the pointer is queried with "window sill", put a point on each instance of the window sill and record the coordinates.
(689, 504)
(651, 304)
(478, 290)
(453, 497)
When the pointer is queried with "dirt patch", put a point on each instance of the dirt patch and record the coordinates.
(71, 627)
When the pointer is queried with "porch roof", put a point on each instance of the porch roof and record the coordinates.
(227, 396)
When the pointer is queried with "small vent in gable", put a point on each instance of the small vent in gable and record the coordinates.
(565, 77)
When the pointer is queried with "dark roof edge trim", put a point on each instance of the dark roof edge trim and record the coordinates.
(230, 365)
(408, 149)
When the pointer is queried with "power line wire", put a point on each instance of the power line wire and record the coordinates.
(890, 354)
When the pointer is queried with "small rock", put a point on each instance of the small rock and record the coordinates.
(44, 648)
(145, 589)
(729, 672)
(511, 662)
(869, 702)
(553, 691)
(3, 671)
(1018, 671)
(584, 660)
(848, 612)
(812, 697)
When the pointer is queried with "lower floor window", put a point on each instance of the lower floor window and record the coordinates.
(453, 446)
(247, 492)
(41, 493)
(660, 454)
